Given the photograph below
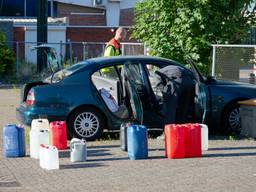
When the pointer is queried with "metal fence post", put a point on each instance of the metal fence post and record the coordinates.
(17, 58)
(103, 49)
(83, 50)
(61, 55)
(70, 52)
(122, 49)
(145, 49)
(213, 60)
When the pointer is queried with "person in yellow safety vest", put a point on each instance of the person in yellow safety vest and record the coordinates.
(113, 48)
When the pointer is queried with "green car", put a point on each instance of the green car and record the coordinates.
(94, 95)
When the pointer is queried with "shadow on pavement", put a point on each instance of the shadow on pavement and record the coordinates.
(90, 153)
(99, 152)
(79, 166)
(229, 155)
(64, 154)
(157, 157)
(109, 159)
(230, 148)
(103, 146)
(157, 149)
(9, 184)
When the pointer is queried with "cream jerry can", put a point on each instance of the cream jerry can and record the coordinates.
(78, 151)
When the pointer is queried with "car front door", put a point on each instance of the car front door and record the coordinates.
(132, 86)
(202, 96)
(139, 77)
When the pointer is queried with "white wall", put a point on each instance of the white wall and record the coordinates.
(113, 14)
(125, 4)
(55, 35)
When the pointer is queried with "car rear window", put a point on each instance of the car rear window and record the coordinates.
(60, 75)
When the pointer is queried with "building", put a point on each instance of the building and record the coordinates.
(69, 21)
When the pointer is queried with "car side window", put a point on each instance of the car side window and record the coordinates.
(108, 72)
(135, 73)
(151, 68)
(153, 80)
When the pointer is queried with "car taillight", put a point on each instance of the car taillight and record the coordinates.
(30, 97)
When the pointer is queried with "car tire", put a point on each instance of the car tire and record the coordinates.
(87, 123)
(232, 119)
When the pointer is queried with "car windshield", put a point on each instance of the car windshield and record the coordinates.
(61, 74)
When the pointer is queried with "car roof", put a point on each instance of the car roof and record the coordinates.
(117, 59)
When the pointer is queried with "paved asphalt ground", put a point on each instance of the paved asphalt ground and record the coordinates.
(227, 166)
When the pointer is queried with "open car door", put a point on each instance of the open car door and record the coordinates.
(131, 94)
(201, 95)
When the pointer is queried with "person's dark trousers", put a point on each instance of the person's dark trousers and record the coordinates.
(186, 93)
(170, 96)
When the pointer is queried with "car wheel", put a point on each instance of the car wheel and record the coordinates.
(232, 119)
(87, 123)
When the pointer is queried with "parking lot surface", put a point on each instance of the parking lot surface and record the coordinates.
(227, 166)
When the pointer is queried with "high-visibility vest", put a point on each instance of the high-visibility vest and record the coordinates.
(112, 49)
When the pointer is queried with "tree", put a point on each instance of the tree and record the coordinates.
(6, 57)
(179, 29)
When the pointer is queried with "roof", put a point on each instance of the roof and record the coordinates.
(33, 20)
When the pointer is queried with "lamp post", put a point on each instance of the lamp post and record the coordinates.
(42, 15)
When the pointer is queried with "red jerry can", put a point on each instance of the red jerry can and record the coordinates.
(174, 141)
(58, 134)
(193, 140)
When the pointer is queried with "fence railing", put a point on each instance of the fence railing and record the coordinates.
(234, 62)
(68, 53)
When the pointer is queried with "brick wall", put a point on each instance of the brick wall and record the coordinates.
(126, 17)
(65, 10)
(92, 34)
(89, 34)
(19, 35)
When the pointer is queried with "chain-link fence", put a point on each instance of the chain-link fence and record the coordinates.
(234, 62)
(68, 53)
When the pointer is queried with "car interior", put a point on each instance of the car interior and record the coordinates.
(110, 81)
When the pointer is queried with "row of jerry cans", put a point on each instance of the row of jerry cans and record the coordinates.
(43, 132)
(14, 137)
(49, 155)
(134, 139)
(185, 140)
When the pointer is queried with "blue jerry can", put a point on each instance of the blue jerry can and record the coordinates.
(13, 141)
(137, 140)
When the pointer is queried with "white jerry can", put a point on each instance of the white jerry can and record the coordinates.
(49, 157)
(78, 151)
(204, 137)
(40, 124)
(37, 137)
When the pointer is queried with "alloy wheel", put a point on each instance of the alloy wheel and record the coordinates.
(86, 124)
(235, 120)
